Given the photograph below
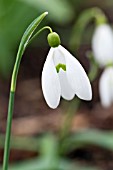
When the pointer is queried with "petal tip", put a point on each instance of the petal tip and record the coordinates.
(52, 105)
(87, 95)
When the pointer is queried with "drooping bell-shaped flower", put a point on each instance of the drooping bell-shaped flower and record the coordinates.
(64, 76)
(106, 87)
(102, 44)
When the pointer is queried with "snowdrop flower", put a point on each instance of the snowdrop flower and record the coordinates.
(102, 44)
(106, 87)
(63, 75)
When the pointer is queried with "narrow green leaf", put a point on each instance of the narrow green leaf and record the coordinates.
(68, 165)
(41, 164)
(23, 44)
(29, 31)
(84, 138)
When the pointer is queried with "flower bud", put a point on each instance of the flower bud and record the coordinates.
(53, 39)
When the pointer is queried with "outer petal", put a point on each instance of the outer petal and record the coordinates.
(102, 44)
(106, 87)
(50, 82)
(66, 91)
(77, 77)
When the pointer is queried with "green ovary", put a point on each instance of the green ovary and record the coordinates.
(63, 66)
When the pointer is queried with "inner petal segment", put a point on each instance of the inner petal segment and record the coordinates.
(66, 91)
(58, 57)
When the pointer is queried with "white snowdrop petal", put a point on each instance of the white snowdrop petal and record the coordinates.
(77, 77)
(66, 91)
(50, 82)
(102, 44)
(106, 87)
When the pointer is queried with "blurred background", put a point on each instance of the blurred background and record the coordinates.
(37, 130)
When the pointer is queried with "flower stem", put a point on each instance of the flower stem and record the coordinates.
(8, 131)
(69, 118)
(35, 35)
(27, 37)
(80, 25)
(64, 133)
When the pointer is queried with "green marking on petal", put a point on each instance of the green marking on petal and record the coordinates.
(63, 66)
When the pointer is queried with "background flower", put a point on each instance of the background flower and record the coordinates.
(106, 87)
(102, 44)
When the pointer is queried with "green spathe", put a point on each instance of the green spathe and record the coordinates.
(53, 39)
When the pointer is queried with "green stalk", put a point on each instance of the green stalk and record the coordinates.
(46, 27)
(65, 130)
(69, 118)
(27, 37)
(8, 131)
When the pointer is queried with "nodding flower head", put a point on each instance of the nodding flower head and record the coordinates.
(102, 44)
(64, 76)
